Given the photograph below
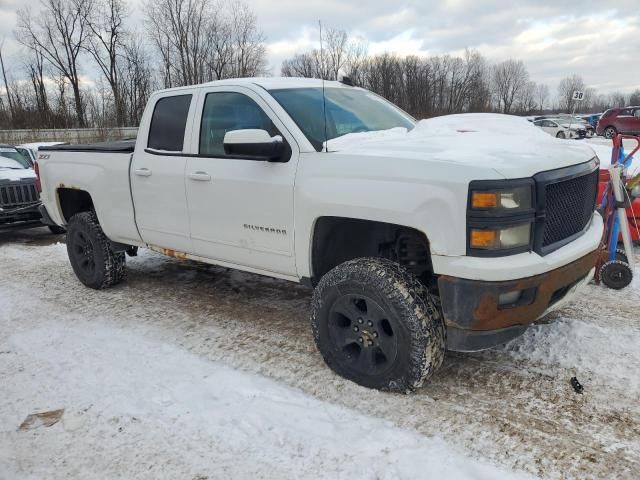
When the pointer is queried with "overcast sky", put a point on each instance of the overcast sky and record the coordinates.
(599, 40)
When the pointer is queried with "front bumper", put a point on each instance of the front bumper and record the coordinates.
(475, 318)
(20, 217)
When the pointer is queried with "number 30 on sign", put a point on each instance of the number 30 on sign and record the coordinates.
(578, 95)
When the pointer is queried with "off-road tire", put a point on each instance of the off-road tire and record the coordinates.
(404, 307)
(91, 254)
(56, 230)
(616, 274)
(610, 132)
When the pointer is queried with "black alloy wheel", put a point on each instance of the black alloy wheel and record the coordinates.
(362, 335)
(82, 250)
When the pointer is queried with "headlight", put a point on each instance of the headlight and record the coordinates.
(500, 217)
(500, 238)
(512, 200)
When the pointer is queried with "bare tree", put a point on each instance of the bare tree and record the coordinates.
(221, 42)
(526, 101)
(509, 80)
(542, 95)
(567, 86)
(136, 78)
(105, 19)
(60, 32)
(300, 65)
(249, 53)
(35, 70)
(335, 49)
(6, 85)
(179, 28)
(200, 40)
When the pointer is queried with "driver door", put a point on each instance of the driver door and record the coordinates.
(240, 210)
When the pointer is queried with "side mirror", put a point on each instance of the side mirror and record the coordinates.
(255, 144)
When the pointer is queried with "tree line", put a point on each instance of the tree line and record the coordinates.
(443, 84)
(82, 65)
(183, 42)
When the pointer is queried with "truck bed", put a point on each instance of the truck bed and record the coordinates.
(121, 146)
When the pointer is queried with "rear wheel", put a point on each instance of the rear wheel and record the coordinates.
(375, 324)
(610, 132)
(91, 254)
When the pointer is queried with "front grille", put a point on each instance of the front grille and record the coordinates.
(18, 194)
(569, 206)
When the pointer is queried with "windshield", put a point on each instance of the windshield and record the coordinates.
(10, 158)
(349, 110)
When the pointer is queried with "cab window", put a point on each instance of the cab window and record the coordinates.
(168, 123)
(227, 111)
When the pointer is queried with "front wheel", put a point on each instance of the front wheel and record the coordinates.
(91, 254)
(377, 325)
(560, 135)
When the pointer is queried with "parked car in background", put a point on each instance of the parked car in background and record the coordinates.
(591, 119)
(19, 198)
(561, 128)
(619, 120)
(30, 150)
(577, 120)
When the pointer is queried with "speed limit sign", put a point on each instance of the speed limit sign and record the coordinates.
(578, 95)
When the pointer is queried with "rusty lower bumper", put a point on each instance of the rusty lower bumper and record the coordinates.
(481, 315)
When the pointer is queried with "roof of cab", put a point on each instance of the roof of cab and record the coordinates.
(268, 83)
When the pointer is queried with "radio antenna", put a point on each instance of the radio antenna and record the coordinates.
(324, 100)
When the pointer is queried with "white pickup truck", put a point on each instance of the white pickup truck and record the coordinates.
(453, 233)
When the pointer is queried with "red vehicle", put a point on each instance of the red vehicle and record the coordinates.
(619, 120)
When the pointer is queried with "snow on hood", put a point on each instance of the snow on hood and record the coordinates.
(510, 145)
(14, 175)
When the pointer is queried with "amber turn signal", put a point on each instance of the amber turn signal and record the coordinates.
(484, 200)
(483, 238)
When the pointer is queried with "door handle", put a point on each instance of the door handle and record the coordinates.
(200, 176)
(142, 172)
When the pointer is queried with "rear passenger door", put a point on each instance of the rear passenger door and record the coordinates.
(625, 120)
(157, 174)
(635, 127)
(241, 210)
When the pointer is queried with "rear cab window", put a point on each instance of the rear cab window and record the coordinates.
(168, 123)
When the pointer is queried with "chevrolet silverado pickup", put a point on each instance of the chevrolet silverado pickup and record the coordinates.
(452, 233)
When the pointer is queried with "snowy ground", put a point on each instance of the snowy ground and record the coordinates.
(196, 372)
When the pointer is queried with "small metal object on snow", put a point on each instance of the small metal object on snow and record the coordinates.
(577, 386)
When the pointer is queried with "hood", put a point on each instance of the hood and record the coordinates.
(14, 175)
(509, 145)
